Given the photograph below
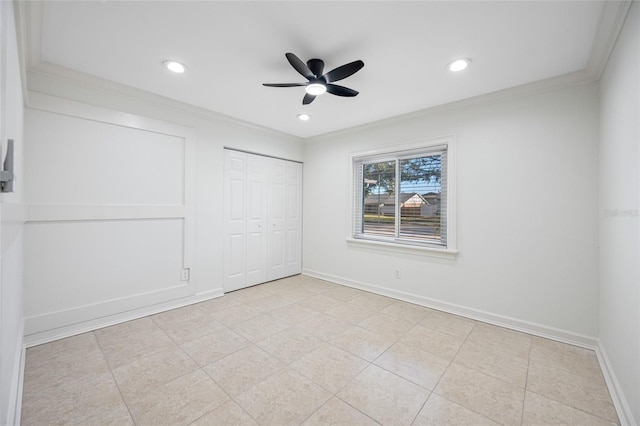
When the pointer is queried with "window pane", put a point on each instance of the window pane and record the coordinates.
(420, 199)
(378, 189)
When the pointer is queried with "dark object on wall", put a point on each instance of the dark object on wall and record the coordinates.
(6, 175)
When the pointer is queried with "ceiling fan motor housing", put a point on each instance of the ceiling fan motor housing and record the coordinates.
(313, 72)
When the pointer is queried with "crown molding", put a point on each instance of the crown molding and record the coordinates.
(22, 22)
(29, 16)
(613, 16)
(54, 80)
(555, 83)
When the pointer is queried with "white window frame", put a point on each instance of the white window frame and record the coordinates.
(449, 251)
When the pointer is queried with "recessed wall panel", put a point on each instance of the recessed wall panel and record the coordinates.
(78, 161)
(79, 263)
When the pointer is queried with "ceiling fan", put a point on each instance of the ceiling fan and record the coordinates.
(319, 83)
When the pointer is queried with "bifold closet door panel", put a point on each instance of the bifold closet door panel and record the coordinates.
(276, 206)
(293, 219)
(235, 224)
(256, 259)
(262, 219)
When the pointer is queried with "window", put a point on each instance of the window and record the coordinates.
(403, 197)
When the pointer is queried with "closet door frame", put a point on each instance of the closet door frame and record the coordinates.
(262, 212)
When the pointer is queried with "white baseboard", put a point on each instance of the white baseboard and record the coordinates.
(535, 329)
(619, 401)
(80, 327)
(105, 308)
(617, 395)
(14, 407)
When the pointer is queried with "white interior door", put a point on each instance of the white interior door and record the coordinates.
(262, 219)
(235, 224)
(256, 267)
(293, 219)
(277, 223)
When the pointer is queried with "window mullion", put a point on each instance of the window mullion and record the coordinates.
(397, 195)
(359, 200)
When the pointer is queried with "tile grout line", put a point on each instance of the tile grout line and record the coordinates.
(331, 343)
(231, 399)
(372, 363)
(445, 372)
(526, 382)
(562, 402)
(114, 378)
(369, 364)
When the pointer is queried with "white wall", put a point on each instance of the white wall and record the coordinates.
(526, 222)
(11, 221)
(619, 232)
(125, 189)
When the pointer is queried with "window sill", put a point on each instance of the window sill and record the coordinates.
(403, 248)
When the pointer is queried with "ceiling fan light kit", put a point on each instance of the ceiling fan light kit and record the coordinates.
(315, 89)
(319, 83)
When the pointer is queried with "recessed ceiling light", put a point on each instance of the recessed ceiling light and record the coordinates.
(315, 89)
(303, 117)
(459, 65)
(175, 66)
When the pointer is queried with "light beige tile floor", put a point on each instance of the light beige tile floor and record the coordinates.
(305, 351)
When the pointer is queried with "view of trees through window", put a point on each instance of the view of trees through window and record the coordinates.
(409, 189)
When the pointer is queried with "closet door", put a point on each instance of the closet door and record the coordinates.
(262, 219)
(235, 223)
(293, 219)
(256, 260)
(277, 202)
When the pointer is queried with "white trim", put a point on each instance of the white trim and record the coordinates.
(184, 210)
(81, 212)
(411, 145)
(57, 105)
(621, 404)
(51, 334)
(530, 89)
(402, 248)
(261, 154)
(617, 395)
(14, 406)
(516, 324)
(611, 21)
(29, 30)
(48, 76)
(450, 141)
(22, 19)
(78, 314)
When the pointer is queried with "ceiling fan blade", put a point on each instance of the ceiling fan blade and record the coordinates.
(300, 66)
(344, 71)
(284, 84)
(316, 66)
(334, 89)
(308, 99)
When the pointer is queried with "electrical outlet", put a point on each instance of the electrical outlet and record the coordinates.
(184, 275)
(397, 273)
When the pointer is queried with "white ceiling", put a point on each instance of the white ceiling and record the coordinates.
(232, 47)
